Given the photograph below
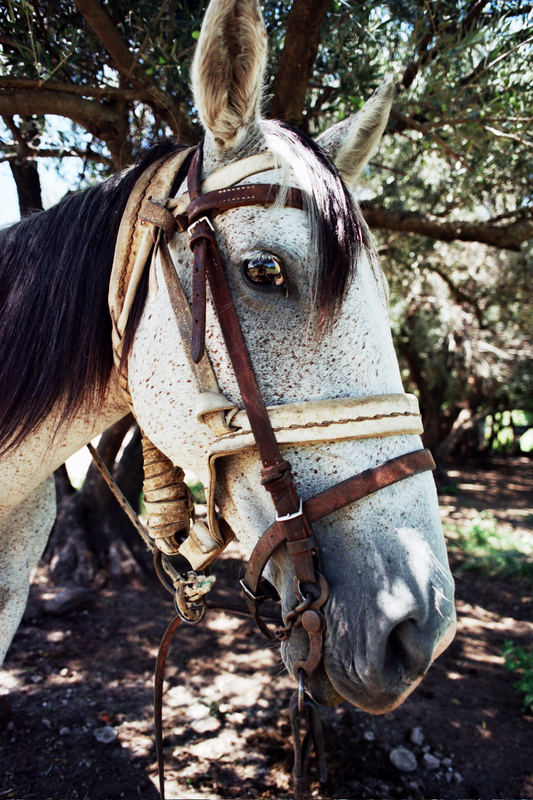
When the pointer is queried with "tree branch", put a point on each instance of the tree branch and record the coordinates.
(102, 92)
(105, 29)
(521, 37)
(106, 121)
(504, 237)
(302, 38)
(57, 152)
(409, 122)
(127, 64)
(458, 294)
(96, 117)
(424, 55)
(504, 135)
(21, 146)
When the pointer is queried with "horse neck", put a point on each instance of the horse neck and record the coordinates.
(52, 442)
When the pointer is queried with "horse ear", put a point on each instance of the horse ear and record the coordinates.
(228, 69)
(351, 142)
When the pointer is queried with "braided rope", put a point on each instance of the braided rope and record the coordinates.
(168, 500)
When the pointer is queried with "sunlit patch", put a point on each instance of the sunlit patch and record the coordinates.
(418, 554)
(10, 682)
(223, 623)
(138, 734)
(398, 595)
(56, 636)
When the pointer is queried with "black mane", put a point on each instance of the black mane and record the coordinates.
(55, 330)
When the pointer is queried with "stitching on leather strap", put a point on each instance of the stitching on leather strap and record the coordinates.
(261, 194)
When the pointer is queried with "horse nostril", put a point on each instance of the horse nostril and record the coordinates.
(407, 655)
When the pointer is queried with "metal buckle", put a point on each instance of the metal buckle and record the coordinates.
(254, 598)
(197, 222)
(291, 516)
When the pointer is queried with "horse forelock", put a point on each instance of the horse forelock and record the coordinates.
(55, 329)
(339, 234)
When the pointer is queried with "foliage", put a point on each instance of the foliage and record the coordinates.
(484, 546)
(502, 429)
(453, 309)
(517, 659)
(198, 492)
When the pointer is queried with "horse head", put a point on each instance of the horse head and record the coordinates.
(312, 304)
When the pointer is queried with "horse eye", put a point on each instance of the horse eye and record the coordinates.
(264, 272)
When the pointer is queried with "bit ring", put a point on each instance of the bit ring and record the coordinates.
(301, 690)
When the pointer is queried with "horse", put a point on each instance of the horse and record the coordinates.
(311, 303)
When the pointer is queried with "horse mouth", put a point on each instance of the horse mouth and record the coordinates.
(331, 684)
(332, 690)
(322, 689)
(374, 700)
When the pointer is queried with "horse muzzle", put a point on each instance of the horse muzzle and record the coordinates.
(376, 675)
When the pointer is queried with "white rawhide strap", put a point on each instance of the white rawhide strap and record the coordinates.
(135, 241)
(317, 421)
(293, 423)
(168, 501)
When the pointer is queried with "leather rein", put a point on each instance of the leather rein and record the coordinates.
(294, 517)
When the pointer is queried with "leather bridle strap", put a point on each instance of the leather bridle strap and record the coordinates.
(276, 473)
(257, 194)
(159, 677)
(322, 504)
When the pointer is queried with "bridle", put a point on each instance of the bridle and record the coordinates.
(294, 516)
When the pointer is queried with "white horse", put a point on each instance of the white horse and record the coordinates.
(316, 329)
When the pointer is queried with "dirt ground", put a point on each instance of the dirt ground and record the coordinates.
(79, 685)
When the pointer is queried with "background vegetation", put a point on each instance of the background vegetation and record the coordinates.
(448, 195)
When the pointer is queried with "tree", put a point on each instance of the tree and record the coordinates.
(93, 541)
(462, 329)
(121, 74)
(448, 194)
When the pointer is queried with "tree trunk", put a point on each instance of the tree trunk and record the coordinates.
(93, 543)
(302, 38)
(28, 186)
(437, 421)
(464, 432)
